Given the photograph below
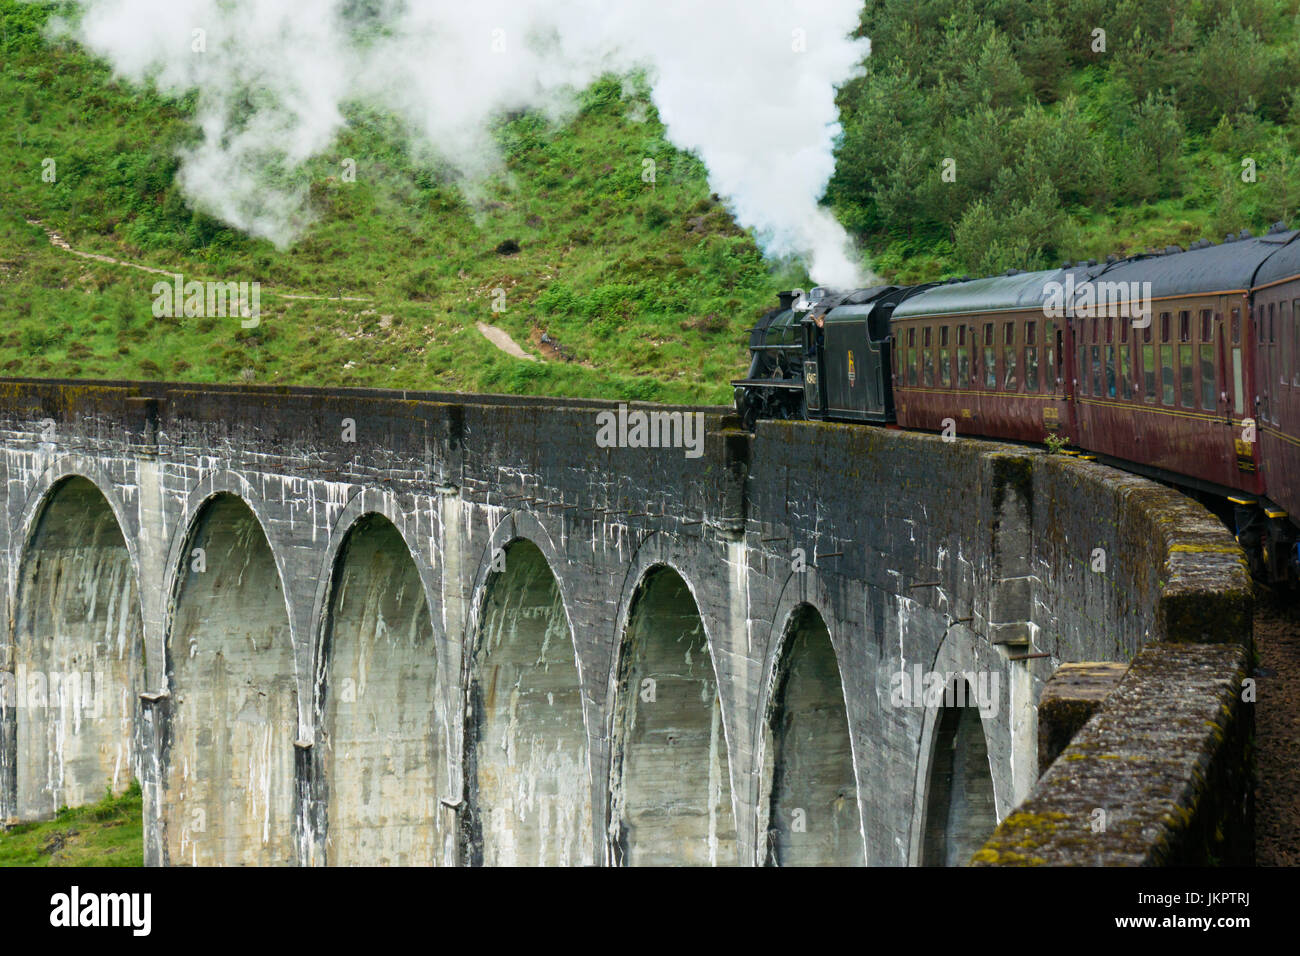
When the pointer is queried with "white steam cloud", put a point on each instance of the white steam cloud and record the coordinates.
(748, 85)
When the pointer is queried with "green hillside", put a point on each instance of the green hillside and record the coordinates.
(647, 287)
(1060, 152)
(107, 833)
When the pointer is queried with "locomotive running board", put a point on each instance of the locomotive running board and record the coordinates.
(770, 383)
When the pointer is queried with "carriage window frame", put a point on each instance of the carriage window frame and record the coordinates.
(945, 358)
(1168, 384)
(1049, 355)
(912, 377)
(927, 357)
(1295, 342)
(1149, 370)
(1186, 375)
(1208, 377)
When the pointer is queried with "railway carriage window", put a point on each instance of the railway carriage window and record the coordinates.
(1167, 374)
(927, 357)
(1009, 380)
(1110, 329)
(1081, 374)
(1285, 362)
(911, 357)
(1295, 342)
(1125, 371)
(1238, 389)
(1146, 332)
(1096, 371)
(1207, 323)
(1031, 369)
(1271, 327)
(1050, 372)
(1031, 333)
(1110, 369)
(945, 368)
(1186, 373)
(1207, 377)
(1164, 326)
(1149, 371)
(1236, 326)
(990, 358)
(1184, 326)
(1123, 329)
(963, 366)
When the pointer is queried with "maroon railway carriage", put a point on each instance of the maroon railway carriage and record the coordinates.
(1275, 325)
(983, 354)
(1176, 395)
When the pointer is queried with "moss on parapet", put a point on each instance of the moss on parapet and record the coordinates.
(1159, 776)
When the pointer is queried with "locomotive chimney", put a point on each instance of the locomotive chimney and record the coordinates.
(787, 298)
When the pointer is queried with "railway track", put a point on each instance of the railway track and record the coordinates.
(1277, 730)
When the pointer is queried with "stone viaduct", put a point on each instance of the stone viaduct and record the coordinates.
(330, 627)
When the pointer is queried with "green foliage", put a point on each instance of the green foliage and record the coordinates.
(1015, 96)
(107, 833)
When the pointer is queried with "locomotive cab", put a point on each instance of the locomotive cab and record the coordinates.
(814, 396)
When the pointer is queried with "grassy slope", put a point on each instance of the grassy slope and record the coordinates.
(108, 833)
(648, 286)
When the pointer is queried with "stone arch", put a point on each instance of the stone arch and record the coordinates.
(527, 761)
(77, 646)
(671, 799)
(808, 801)
(76, 466)
(959, 811)
(984, 739)
(377, 703)
(229, 756)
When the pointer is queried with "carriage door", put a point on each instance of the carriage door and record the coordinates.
(1067, 347)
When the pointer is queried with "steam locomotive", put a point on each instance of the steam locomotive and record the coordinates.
(1181, 365)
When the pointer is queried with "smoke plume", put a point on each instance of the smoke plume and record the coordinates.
(748, 85)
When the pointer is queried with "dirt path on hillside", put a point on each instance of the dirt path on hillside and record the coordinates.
(498, 337)
(1277, 731)
(502, 340)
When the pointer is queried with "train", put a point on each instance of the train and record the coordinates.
(1182, 365)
